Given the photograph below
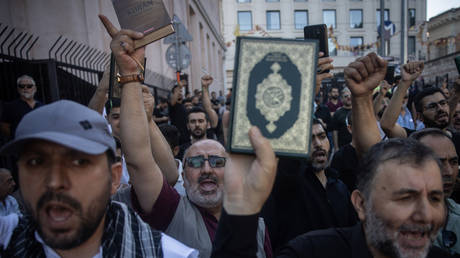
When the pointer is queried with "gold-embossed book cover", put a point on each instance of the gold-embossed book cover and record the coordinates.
(273, 89)
(147, 16)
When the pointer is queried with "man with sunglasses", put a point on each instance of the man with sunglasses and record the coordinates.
(15, 110)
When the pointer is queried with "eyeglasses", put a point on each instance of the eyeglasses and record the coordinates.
(434, 105)
(449, 238)
(28, 86)
(198, 161)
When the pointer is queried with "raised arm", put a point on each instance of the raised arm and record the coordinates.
(409, 73)
(324, 63)
(99, 98)
(384, 87)
(145, 175)
(160, 148)
(206, 80)
(362, 77)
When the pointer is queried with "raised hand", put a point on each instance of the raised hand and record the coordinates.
(364, 74)
(248, 180)
(149, 102)
(122, 46)
(411, 71)
(206, 80)
(324, 63)
(384, 87)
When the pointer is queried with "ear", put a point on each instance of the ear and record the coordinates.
(358, 201)
(117, 171)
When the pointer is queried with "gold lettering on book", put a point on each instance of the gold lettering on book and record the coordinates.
(141, 7)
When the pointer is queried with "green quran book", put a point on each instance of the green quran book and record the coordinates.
(273, 89)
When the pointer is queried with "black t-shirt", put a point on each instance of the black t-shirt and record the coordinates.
(14, 111)
(159, 113)
(178, 118)
(345, 161)
(339, 124)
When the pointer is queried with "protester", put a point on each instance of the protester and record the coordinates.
(67, 170)
(340, 134)
(399, 198)
(442, 145)
(160, 113)
(190, 220)
(8, 203)
(334, 102)
(16, 109)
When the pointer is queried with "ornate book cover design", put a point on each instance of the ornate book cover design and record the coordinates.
(147, 16)
(273, 89)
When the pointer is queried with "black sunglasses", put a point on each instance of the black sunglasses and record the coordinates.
(198, 161)
(28, 86)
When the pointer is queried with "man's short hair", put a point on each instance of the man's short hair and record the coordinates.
(171, 134)
(334, 87)
(163, 100)
(417, 135)
(317, 122)
(116, 103)
(196, 109)
(403, 150)
(425, 92)
(25, 77)
(344, 90)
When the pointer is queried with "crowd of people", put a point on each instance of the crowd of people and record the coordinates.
(128, 177)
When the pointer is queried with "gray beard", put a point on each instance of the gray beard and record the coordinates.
(385, 241)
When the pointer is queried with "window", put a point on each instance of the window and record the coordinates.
(329, 18)
(356, 42)
(386, 15)
(332, 48)
(273, 20)
(300, 19)
(411, 45)
(411, 17)
(243, 1)
(356, 18)
(245, 20)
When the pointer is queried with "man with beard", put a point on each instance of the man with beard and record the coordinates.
(444, 148)
(307, 195)
(334, 102)
(192, 219)
(8, 203)
(432, 106)
(67, 173)
(340, 134)
(399, 200)
(15, 110)
(197, 124)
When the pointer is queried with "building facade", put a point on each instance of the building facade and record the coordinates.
(442, 46)
(77, 20)
(352, 25)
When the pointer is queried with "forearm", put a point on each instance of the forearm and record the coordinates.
(365, 130)
(98, 100)
(162, 154)
(145, 175)
(213, 118)
(391, 114)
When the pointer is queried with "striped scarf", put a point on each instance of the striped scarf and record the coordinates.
(125, 235)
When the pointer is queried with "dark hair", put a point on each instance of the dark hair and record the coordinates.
(163, 100)
(196, 109)
(425, 92)
(334, 87)
(114, 103)
(404, 150)
(187, 100)
(317, 122)
(117, 143)
(171, 134)
(417, 135)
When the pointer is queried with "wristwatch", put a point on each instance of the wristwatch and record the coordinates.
(122, 79)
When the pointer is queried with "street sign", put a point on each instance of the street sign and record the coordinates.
(184, 57)
(181, 33)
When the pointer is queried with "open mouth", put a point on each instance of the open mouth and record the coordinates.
(415, 239)
(58, 214)
(208, 185)
(319, 155)
(442, 116)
